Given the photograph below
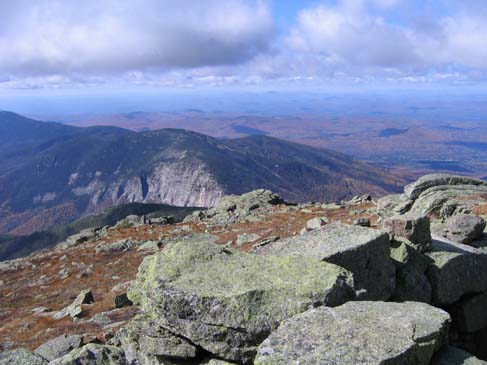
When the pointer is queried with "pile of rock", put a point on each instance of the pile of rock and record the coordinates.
(234, 208)
(336, 294)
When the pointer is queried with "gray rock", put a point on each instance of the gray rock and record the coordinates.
(363, 251)
(247, 238)
(79, 238)
(448, 200)
(59, 346)
(464, 228)
(362, 222)
(358, 333)
(415, 189)
(455, 270)
(226, 301)
(93, 354)
(411, 281)
(391, 205)
(450, 355)
(121, 245)
(74, 310)
(470, 314)
(145, 342)
(21, 356)
(415, 228)
(316, 223)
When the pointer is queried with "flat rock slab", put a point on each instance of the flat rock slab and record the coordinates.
(21, 356)
(413, 190)
(227, 301)
(358, 333)
(59, 346)
(455, 270)
(93, 354)
(450, 355)
(363, 251)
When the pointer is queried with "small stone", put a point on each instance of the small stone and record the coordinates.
(316, 223)
(362, 222)
(92, 354)
(247, 238)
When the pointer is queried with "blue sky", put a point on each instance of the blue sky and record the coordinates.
(241, 44)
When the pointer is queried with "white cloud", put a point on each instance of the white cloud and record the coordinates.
(65, 36)
(355, 36)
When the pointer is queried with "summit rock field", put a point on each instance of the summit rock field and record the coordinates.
(259, 280)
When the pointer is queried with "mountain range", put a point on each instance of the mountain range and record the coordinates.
(51, 173)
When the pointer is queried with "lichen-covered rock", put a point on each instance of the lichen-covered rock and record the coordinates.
(93, 354)
(363, 251)
(227, 301)
(470, 313)
(455, 270)
(21, 356)
(464, 228)
(232, 208)
(415, 228)
(358, 333)
(393, 204)
(145, 342)
(450, 355)
(411, 281)
(414, 190)
(59, 346)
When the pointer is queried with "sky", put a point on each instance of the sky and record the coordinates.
(218, 44)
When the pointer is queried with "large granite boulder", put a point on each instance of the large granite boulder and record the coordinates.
(93, 354)
(393, 204)
(358, 333)
(59, 346)
(145, 342)
(411, 281)
(450, 355)
(464, 228)
(415, 228)
(21, 356)
(455, 270)
(226, 301)
(363, 251)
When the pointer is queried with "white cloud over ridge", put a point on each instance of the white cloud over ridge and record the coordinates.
(63, 36)
(192, 43)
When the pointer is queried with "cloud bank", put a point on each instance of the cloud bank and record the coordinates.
(192, 43)
(62, 36)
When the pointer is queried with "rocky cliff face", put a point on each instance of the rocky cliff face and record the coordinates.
(186, 182)
(237, 284)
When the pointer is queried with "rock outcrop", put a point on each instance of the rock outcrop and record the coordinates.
(226, 301)
(363, 251)
(358, 333)
(437, 194)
